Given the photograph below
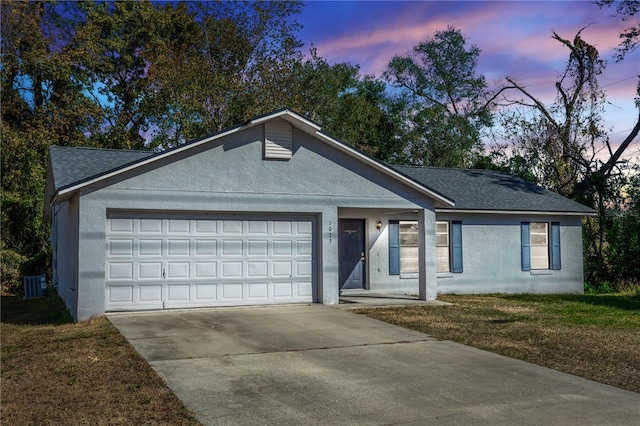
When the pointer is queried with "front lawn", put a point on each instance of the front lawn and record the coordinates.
(596, 337)
(58, 372)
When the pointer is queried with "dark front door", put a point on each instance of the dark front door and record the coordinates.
(351, 251)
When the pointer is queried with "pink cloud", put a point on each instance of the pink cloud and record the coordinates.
(390, 40)
(523, 30)
(515, 38)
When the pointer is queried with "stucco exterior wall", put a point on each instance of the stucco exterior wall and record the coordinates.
(65, 241)
(231, 175)
(492, 262)
(491, 255)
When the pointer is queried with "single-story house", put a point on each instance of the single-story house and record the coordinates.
(276, 211)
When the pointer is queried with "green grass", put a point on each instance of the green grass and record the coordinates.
(41, 311)
(608, 311)
(593, 336)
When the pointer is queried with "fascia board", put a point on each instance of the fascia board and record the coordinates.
(384, 169)
(293, 118)
(516, 212)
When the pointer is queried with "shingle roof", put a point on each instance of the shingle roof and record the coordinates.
(73, 165)
(470, 189)
(490, 190)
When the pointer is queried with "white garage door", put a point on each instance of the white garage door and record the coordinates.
(178, 262)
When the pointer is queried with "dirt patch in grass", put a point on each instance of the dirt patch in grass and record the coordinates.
(57, 372)
(595, 337)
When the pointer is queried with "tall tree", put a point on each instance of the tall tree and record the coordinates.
(236, 63)
(116, 45)
(446, 104)
(353, 108)
(44, 103)
(567, 146)
(112, 74)
(564, 141)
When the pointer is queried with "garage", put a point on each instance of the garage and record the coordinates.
(171, 260)
(248, 215)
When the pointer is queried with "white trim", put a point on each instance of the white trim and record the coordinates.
(409, 275)
(541, 272)
(444, 275)
(289, 116)
(516, 212)
(386, 170)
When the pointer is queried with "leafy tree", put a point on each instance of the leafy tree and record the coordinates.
(612, 240)
(623, 236)
(43, 104)
(39, 82)
(446, 105)
(630, 36)
(116, 45)
(109, 74)
(368, 119)
(236, 62)
(353, 108)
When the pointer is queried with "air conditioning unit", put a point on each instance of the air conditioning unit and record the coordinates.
(35, 286)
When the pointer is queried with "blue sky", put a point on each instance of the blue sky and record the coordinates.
(514, 36)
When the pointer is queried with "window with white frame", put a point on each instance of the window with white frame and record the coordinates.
(540, 245)
(539, 238)
(403, 247)
(408, 247)
(442, 247)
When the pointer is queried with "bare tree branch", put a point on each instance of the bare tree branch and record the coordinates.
(539, 105)
(610, 164)
(490, 101)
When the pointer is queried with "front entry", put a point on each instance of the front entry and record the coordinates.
(351, 250)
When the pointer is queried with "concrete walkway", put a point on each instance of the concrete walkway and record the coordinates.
(315, 364)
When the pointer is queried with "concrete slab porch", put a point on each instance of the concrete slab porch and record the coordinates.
(364, 299)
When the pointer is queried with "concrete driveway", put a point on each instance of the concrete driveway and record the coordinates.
(315, 364)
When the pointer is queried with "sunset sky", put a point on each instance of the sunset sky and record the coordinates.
(514, 36)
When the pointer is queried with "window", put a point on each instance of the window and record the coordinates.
(408, 247)
(540, 245)
(403, 247)
(442, 247)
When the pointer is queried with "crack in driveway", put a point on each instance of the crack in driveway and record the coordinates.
(319, 348)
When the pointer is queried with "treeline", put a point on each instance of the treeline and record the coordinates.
(142, 75)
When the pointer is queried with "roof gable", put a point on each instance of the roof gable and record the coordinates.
(114, 162)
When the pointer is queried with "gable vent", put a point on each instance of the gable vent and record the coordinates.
(278, 140)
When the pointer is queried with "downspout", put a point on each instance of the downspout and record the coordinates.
(54, 246)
